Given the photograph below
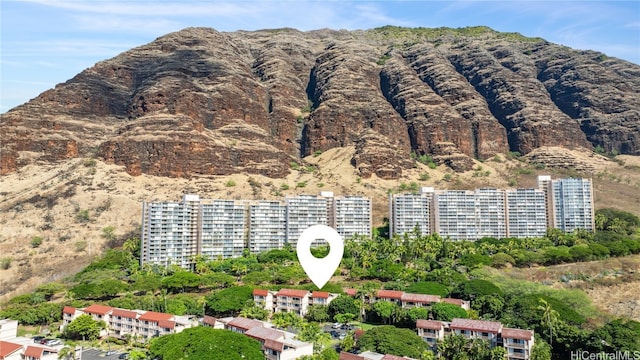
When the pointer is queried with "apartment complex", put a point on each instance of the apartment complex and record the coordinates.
(517, 342)
(304, 211)
(122, 322)
(174, 232)
(267, 226)
(276, 344)
(569, 203)
(410, 211)
(566, 204)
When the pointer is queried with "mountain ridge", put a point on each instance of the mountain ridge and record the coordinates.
(203, 102)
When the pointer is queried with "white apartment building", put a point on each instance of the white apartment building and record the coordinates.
(408, 211)
(526, 213)
(351, 216)
(571, 204)
(456, 214)
(491, 218)
(267, 226)
(170, 232)
(304, 211)
(222, 229)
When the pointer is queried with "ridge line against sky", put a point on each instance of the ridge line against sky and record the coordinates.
(46, 42)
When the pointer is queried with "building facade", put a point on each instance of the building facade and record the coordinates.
(351, 216)
(304, 211)
(408, 212)
(526, 213)
(455, 215)
(267, 226)
(570, 202)
(222, 229)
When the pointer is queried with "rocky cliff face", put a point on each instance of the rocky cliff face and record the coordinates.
(200, 101)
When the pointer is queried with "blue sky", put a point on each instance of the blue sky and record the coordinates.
(46, 42)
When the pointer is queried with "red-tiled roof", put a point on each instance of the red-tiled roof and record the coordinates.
(420, 298)
(263, 333)
(69, 310)
(516, 334)
(260, 292)
(390, 294)
(320, 294)
(476, 325)
(274, 345)
(154, 316)
(350, 292)
(349, 356)
(8, 348)
(453, 301)
(429, 324)
(244, 323)
(292, 293)
(124, 313)
(37, 351)
(167, 324)
(97, 309)
(393, 357)
(209, 320)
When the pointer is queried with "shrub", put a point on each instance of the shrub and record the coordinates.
(80, 246)
(301, 184)
(501, 260)
(424, 177)
(5, 263)
(428, 287)
(36, 241)
(82, 216)
(284, 187)
(230, 183)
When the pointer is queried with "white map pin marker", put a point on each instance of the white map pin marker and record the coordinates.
(320, 270)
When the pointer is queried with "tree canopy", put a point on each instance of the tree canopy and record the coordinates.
(199, 343)
(388, 339)
(228, 302)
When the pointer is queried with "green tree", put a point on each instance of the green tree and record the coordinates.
(428, 287)
(200, 342)
(384, 309)
(67, 353)
(318, 313)
(541, 350)
(84, 327)
(447, 312)
(181, 281)
(452, 346)
(284, 320)
(341, 305)
(469, 290)
(388, 339)
(254, 311)
(549, 317)
(348, 343)
(229, 302)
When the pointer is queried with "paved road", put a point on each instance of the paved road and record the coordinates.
(95, 354)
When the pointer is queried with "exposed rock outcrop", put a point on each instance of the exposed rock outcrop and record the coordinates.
(199, 101)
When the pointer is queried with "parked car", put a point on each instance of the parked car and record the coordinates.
(334, 333)
(111, 352)
(336, 326)
(44, 340)
(342, 336)
(52, 342)
(123, 356)
(37, 339)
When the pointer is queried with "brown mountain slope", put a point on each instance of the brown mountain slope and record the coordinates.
(202, 102)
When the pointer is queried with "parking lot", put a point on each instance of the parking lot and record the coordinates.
(337, 333)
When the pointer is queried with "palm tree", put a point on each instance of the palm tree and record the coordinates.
(67, 353)
(549, 317)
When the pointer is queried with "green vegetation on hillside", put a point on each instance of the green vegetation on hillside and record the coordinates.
(427, 264)
(404, 33)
